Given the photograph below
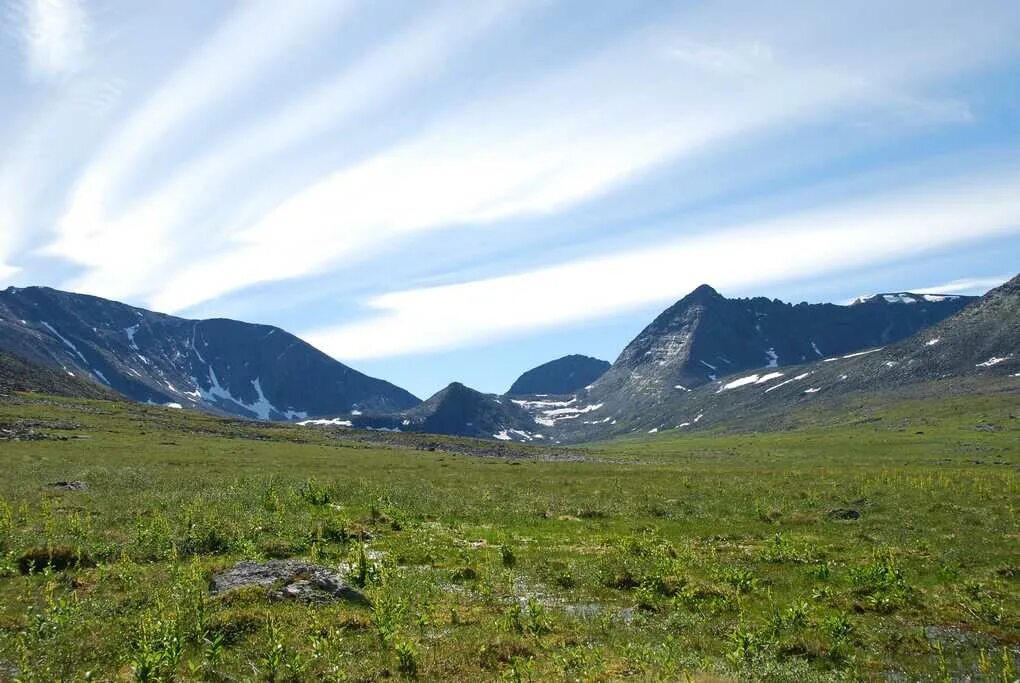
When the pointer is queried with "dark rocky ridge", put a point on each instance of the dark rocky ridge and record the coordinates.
(456, 410)
(980, 343)
(561, 376)
(705, 336)
(17, 374)
(224, 366)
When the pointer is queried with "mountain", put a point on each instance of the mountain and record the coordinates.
(20, 375)
(560, 376)
(224, 366)
(706, 336)
(456, 410)
(980, 343)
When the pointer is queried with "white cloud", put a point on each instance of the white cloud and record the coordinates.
(256, 35)
(964, 286)
(818, 242)
(549, 146)
(54, 34)
(410, 55)
(7, 271)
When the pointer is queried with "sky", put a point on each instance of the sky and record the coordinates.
(439, 191)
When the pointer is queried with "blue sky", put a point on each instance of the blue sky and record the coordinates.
(463, 190)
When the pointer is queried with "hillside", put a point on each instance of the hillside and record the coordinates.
(976, 349)
(17, 374)
(561, 376)
(224, 366)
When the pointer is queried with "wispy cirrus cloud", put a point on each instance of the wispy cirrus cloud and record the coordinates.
(54, 35)
(411, 54)
(965, 285)
(232, 59)
(832, 239)
(570, 137)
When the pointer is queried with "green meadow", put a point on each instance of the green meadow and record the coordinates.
(878, 544)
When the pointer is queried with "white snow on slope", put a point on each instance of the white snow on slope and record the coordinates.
(130, 332)
(66, 341)
(935, 298)
(932, 342)
(335, 422)
(750, 379)
(899, 299)
(549, 417)
(994, 360)
(509, 434)
(785, 382)
(862, 353)
(812, 390)
(543, 404)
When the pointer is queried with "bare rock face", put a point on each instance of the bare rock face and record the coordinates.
(289, 580)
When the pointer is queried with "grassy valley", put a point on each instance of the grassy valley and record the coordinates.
(876, 544)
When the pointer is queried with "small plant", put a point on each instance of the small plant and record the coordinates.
(881, 584)
(311, 492)
(743, 580)
(506, 556)
(407, 657)
(838, 629)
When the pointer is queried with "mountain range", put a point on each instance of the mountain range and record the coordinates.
(706, 360)
(222, 366)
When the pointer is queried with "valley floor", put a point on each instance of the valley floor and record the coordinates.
(880, 546)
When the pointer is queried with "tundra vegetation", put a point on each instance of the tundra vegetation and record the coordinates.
(877, 543)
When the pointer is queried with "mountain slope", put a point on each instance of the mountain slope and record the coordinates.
(456, 410)
(236, 368)
(705, 337)
(561, 376)
(980, 343)
(17, 374)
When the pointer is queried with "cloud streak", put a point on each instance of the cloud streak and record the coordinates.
(835, 239)
(54, 35)
(256, 35)
(552, 145)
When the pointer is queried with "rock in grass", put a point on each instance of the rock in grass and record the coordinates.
(844, 514)
(70, 485)
(289, 580)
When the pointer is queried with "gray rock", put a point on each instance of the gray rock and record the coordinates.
(844, 514)
(289, 580)
(70, 485)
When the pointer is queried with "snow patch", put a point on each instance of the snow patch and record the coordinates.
(994, 360)
(932, 342)
(773, 358)
(708, 365)
(176, 406)
(66, 341)
(750, 379)
(654, 430)
(899, 299)
(785, 382)
(862, 353)
(812, 390)
(335, 422)
(130, 332)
